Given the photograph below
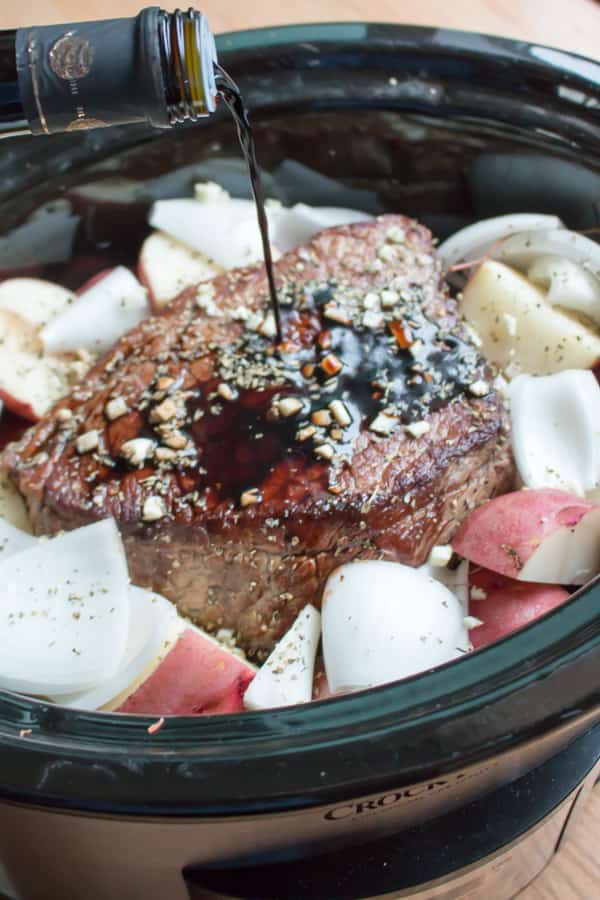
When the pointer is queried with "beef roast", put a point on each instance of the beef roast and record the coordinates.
(241, 473)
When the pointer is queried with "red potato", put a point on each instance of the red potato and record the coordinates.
(110, 210)
(37, 301)
(505, 605)
(30, 383)
(166, 267)
(33, 271)
(17, 334)
(12, 427)
(225, 232)
(23, 410)
(546, 536)
(83, 268)
(198, 676)
(94, 279)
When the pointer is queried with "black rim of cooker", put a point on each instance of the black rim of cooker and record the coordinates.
(517, 690)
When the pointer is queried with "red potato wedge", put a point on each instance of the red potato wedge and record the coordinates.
(33, 271)
(35, 300)
(80, 270)
(505, 605)
(154, 627)
(12, 506)
(110, 208)
(30, 383)
(224, 231)
(198, 676)
(11, 427)
(519, 330)
(94, 279)
(17, 334)
(22, 409)
(545, 536)
(166, 267)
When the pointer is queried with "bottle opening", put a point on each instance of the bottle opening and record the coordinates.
(189, 56)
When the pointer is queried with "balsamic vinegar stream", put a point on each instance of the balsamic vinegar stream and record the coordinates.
(231, 96)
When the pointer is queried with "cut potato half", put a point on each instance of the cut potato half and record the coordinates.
(519, 330)
(166, 267)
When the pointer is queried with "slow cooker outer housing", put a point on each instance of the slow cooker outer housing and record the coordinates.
(540, 682)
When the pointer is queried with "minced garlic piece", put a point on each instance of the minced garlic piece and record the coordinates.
(226, 391)
(325, 451)
(289, 406)
(340, 413)
(116, 408)
(137, 450)
(418, 429)
(250, 497)
(87, 442)
(479, 388)
(268, 326)
(389, 298)
(154, 509)
(383, 424)
(164, 411)
(440, 555)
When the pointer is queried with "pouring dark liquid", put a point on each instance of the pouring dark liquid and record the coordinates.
(229, 92)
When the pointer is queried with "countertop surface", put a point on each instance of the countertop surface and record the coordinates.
(569, 24)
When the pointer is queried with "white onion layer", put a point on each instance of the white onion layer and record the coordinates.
(476, 240)
(383, 621)
(556, 430)
(286, 678)
(65, 615)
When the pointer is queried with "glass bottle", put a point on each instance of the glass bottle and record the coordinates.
(157, 67)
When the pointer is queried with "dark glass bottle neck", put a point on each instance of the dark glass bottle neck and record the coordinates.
(12, 115)
(157, 67)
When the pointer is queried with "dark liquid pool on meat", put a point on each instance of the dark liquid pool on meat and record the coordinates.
(229, 92)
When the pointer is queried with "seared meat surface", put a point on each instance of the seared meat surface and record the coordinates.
(241, 473)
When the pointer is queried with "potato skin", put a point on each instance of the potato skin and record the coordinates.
(505, 532)
(508, 605)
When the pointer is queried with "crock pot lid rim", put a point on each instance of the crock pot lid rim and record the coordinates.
(424, 37)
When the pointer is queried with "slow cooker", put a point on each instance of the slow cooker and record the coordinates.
(462, 782)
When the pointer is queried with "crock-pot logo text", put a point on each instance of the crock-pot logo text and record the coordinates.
(392, 798)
